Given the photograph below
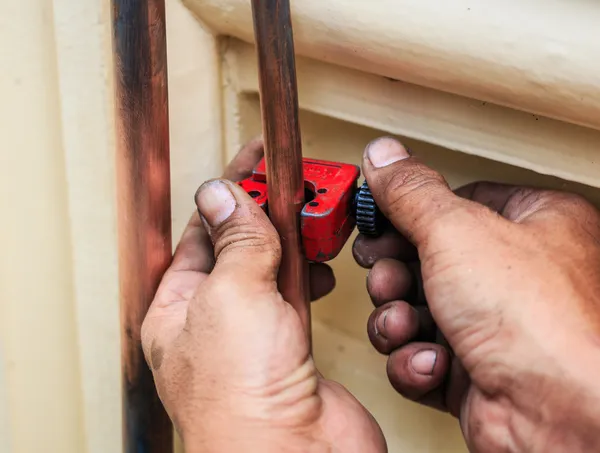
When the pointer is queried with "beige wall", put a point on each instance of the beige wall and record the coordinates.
(59, 345)
(37, 307)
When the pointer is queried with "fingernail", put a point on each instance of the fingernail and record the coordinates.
(380, 323)
(215, 202)
(423, 362)
(385, 151)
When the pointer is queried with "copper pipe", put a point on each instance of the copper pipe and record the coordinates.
(144, 209)
(283, 149)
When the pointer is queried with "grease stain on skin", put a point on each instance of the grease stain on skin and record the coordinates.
(382, 318)
(156, 356)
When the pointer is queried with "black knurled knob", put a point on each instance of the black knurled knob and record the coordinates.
(369, 219)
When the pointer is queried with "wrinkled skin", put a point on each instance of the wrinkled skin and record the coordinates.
(509, 276)
(229, 356)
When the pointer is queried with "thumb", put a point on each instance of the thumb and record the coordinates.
(415, 198)
(246, 245)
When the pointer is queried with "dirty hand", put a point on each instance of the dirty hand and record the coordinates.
(229, 356)
(511, 277)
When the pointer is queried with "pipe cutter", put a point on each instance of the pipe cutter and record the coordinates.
(334, 205)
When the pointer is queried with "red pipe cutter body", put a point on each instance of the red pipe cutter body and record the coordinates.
(333, 204)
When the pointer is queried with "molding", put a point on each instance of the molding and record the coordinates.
(532, 55)
(241, 120)
(529, 141)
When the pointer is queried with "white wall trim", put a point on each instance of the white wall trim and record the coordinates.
(506, 135)
(533, 55)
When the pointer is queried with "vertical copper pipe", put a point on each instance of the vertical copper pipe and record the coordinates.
(144, 210)
(283, 149)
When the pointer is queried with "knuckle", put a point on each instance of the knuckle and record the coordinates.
(469, 191)
(576, 211)
(412, 181)
(248, 235)
(528, 196)
(575, 203)
(526, 201)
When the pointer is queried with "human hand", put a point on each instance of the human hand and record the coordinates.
(511, 277)
(229, 356)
